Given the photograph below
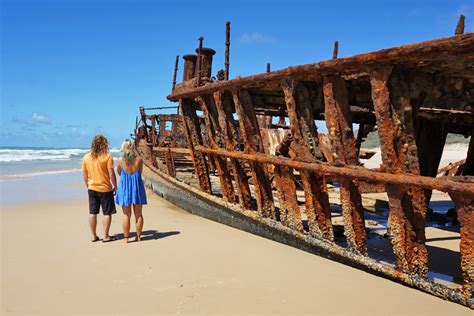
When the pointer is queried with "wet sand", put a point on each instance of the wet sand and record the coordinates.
(184, 265)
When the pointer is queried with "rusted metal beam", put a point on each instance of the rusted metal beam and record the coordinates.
(441, 184)
(173, 150)
(253, 144)
(399, 154)
(193, 130)
(414, 201)
(336, 50)
(460, 47)
(465, 213)
(215, 141)
(452, 169)
(343, 144)
(169, 161)
(153, 130)
(290, 214)
(460, 26)
(159, 108)
(199, 63)
(229, 134)
(175, 71)
(304, 135)
(227, 49)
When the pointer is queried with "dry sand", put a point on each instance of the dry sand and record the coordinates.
(185, 265)
(451, 153)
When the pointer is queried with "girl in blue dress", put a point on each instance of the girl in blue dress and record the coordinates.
(130, 189)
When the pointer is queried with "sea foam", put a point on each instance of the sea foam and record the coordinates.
(18, 155)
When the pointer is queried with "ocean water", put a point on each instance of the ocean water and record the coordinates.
(39, 174)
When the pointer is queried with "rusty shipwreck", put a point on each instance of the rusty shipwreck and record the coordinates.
(247, 152)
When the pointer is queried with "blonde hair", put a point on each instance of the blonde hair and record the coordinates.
(126, 150)
(100, 145)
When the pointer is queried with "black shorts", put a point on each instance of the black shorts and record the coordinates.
(106, 199)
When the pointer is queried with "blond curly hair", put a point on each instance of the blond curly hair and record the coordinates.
(100, 145)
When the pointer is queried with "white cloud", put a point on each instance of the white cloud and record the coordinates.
(256, 37)
(40, 118)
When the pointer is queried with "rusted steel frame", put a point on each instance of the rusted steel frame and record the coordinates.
(343, 144)
(452, 169)
(407, 205)
(414, 201)
(253, 144)
(316, 197)
(171, 117)
(465, 213)
(307, 121)
(434, 50)
(193, 130)
(290, 214)
(329, 249)
(149, 154)
(153, 130)
(325, 146)
(205, 142)
(227, 46)
(175, 150)
(215, 141)
(229, 134)
(441, 184)
(169, 161)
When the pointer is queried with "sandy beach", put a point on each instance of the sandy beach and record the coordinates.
(275, 129)
(184, 265)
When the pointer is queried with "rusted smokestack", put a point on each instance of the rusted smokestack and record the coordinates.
(189, 69)
(227, 46)
(206, 61)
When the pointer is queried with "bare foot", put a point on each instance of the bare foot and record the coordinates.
(125, 240)
(138, 238)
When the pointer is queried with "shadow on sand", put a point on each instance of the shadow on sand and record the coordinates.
(150, 235)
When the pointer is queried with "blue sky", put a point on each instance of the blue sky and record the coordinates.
(72, 69)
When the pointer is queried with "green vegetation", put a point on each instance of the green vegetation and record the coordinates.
(372, 140)
(457, 139)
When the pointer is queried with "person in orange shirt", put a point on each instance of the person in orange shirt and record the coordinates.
(99, 177)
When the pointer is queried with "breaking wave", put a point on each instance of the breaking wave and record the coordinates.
(18, 155)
